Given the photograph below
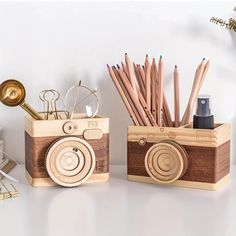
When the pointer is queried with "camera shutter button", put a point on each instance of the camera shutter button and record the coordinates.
(69, 127)
(172, 135)
(142, 141)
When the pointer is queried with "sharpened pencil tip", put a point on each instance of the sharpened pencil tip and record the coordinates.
(204, 59)
(118, 66)
(126, 54)
(175, 66)
(146, 55)
(108, 66)
(160, 56)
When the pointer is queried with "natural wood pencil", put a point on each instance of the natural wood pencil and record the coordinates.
(142, 73)
(147, 111)
(206, 68)
(139, 79)
(166, 110)
(160, 92)
(165, 122)
(148, 85)
(128, 96)
(134, 98)
(146, 63)
(125, 69)
(123, 96)
(176, 97)
(132, 77)
(130, 101)
(154, 76)
(202, 77)
(198, 81)
(141, 88)
(195, 85)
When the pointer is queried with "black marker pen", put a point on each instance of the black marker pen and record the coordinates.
(203, 119)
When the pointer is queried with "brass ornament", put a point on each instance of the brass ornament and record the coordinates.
(12, 93)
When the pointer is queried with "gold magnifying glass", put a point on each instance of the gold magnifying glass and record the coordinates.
(12, 93)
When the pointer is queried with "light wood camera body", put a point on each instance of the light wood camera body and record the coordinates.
(208, 154)
(40, 134)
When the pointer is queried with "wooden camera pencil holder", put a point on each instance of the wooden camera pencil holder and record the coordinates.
(67, 152)
(185, 157)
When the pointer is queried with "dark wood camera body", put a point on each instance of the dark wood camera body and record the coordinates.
(208, 154)
(39, 135)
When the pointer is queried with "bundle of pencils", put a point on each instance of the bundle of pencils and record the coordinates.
(141, 89)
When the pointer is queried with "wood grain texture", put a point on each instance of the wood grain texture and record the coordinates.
(48, 128)
(206, 164)
(185, 184)
(166, 161)
(36, 148)
(183, 135)
(48, 182)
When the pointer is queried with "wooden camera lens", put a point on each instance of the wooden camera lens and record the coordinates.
(70, 161)
(166, 161)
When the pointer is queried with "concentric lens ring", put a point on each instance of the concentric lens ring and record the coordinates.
(166, 161)
(70, 161)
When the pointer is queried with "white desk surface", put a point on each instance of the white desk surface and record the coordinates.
(119, 207)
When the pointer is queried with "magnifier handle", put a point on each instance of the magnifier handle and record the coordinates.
(31, 111)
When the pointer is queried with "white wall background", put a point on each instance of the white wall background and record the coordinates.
(51, 45)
